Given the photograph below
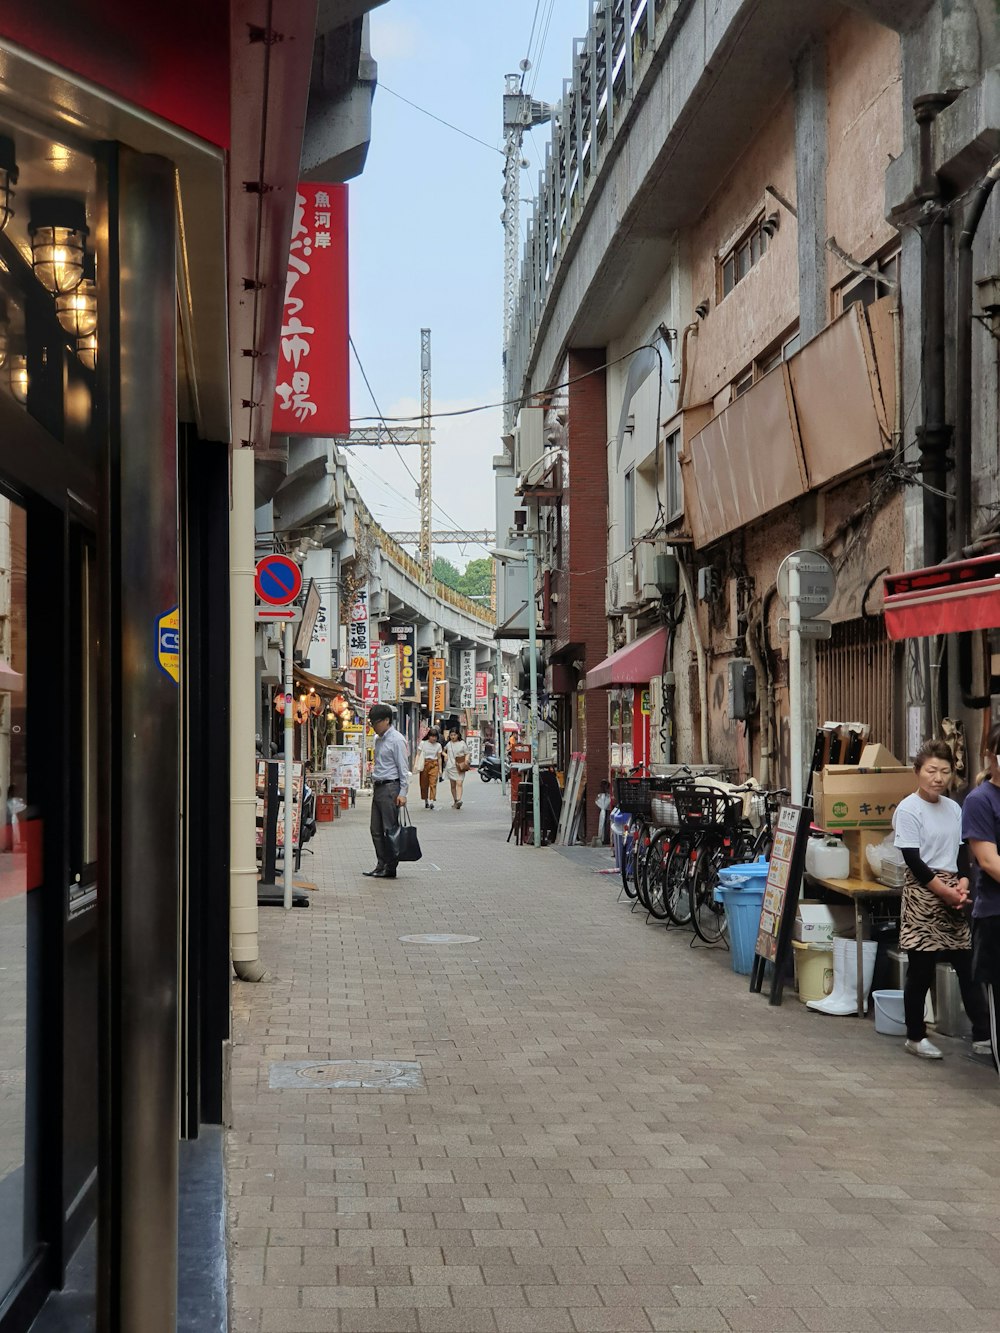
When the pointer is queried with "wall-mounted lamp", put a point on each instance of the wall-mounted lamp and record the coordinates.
(17, 373)
(702, 308)
(771, 224)
(8, 179)
(86, 350)
(58, 230)
(77, 310)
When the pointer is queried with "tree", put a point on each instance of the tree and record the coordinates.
(446, 573)
(477, 581)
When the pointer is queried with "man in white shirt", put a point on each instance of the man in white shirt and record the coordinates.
(390, 778)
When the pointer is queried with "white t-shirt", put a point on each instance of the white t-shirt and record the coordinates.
(934, 828)
(430, 749)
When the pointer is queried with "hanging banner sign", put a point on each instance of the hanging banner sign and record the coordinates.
(358, 632)
(440, 700)
(311, 396)
(482, 687)
(388, 674)
(371, 690)
(467, 679)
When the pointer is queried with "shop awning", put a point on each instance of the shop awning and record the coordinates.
(635, 664)
(945, 599)
(323, 685)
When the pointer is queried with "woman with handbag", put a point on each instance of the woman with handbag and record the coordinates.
(457, 765)
(428, 765)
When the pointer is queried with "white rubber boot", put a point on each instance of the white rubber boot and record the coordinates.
(834, 1002)
(870, 955)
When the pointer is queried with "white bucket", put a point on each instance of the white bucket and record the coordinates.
(889, 1018)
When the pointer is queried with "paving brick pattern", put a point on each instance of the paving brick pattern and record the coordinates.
(614, 1134)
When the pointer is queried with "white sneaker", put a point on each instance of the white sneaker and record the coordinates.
(924, 1048)
(982, 1048)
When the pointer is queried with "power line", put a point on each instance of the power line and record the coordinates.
(447, 123)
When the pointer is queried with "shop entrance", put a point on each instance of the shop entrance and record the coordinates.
(48, 885)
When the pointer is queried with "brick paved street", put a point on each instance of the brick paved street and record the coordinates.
(614, 1135)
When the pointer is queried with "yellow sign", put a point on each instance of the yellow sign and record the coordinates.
(440, 700)
(168, 643)
(645, 706)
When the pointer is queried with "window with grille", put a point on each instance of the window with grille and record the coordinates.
(855, 678)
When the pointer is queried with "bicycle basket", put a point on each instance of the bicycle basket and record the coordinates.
(664, 810)
(707, 807)
(633, 795)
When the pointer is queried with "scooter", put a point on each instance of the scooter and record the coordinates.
(489, 768)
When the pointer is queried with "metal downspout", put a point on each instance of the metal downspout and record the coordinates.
(242, 751)
(699, 649)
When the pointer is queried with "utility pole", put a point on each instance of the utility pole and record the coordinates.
(520, 113)
(426, 506)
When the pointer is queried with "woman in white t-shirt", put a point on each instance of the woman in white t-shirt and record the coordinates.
(429, 752)
(934, 926)
(457, 763)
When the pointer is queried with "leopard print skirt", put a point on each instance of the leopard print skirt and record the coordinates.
(928, 924)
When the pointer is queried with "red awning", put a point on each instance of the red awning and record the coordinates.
(635, 664)
(944, 599)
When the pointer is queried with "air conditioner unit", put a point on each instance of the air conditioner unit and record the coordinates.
(655, 573)
(529, 440)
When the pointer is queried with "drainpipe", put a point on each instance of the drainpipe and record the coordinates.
(242, 752)
(699, 649)
(934, 433)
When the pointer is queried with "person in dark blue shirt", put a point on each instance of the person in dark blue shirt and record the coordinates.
(981, 829)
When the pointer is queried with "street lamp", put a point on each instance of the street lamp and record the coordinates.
(527, 556)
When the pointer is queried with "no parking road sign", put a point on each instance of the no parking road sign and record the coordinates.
(278, 580)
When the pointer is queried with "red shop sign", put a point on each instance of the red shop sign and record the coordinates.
(312, 392)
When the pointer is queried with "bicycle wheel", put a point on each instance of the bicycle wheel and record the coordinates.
(707, 916)
(676, 895)
(628, 858)
(642, 842)
(654, 875)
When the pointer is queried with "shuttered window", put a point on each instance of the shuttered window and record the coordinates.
(856, 678)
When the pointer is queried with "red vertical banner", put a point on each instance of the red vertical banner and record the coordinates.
(312, 395)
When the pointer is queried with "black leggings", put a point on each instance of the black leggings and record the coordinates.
(919, 975)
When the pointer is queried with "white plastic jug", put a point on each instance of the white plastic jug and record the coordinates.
(827, 858)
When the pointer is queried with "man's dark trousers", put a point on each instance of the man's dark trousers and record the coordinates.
(385, 817)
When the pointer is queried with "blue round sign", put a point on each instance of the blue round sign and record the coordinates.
(278, 580)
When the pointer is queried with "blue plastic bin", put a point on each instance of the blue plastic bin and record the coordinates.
(741, 892)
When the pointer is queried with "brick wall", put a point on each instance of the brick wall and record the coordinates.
(585, 545)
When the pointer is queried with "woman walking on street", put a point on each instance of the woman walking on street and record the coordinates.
(429, 760)
(934, 926)
(981, 827)
(457, 765)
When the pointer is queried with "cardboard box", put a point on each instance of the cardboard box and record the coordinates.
(857, 842)
(877, 756)
(849, 796)
(817, 923)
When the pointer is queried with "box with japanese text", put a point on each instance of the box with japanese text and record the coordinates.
(848, 796)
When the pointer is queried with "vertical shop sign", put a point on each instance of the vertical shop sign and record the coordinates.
(482, 690)
(388, 674)
(436, 668)
(467, 678)
(357, 632)
(405, 638)
(371, 676)
(440, 700)
(311, 396)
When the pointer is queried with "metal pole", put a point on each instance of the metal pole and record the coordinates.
(288, 790)
(536, 802)
(498, 714)
(795, 677)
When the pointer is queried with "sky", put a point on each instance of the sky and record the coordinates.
(426, 239)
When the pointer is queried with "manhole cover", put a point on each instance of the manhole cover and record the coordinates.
(440, 939)
(385, 1075)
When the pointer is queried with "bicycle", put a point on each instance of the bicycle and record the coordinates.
(632, 796)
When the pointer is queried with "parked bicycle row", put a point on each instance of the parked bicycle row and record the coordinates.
(675, 833)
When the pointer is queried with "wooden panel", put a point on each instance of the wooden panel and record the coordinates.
(855, 678)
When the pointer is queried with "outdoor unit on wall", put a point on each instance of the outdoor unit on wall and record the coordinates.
(529, 441)
(655, 573)
(741, 693)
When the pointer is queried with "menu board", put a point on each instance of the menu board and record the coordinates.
(343, 763)
(781, 897)
(279, 765)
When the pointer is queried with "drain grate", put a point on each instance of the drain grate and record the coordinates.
(440, 939)
(381, 1075)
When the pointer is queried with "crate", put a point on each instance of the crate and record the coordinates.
(326, 810)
